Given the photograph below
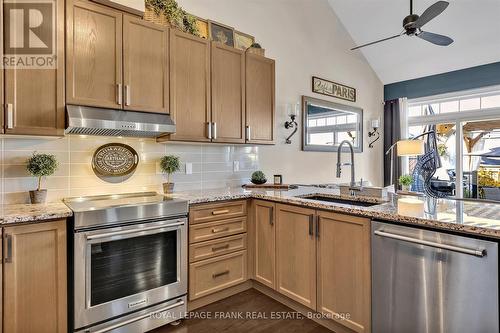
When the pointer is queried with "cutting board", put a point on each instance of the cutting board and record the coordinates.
(270, 186)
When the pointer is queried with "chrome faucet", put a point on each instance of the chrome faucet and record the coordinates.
(352, 186)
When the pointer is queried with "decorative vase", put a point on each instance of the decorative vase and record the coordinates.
(38, 197)
(168, 188)
(405, 188)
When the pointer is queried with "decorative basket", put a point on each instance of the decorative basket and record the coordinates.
(257, 51)
(151, 16)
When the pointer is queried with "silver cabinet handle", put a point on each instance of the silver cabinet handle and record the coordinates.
(127, 95)
(119, 94)
(477, 252)
(133, 320)
(249, 133)
(8, 256)
(209, 130)
(214, 131)
(317, 226)
(271, 216)
(311, 222)
(216, 275)
(132, 231)
(10, 115)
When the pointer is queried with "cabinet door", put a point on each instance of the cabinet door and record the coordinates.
(228, 94)
(265, 242)
(34, 98)
(296, 254)
(260, 99)
(94, 55)
(35, 278)
(344, 269)
(189, 86)
(145, 66)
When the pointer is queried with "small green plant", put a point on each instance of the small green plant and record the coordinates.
(170, 164)
(406, 180)
(41, 165)
(258, 177)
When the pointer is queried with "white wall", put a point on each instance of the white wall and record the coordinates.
(306, 38)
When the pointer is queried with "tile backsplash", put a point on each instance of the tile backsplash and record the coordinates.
(212, 166)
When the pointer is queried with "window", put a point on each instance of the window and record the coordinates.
(468, 140)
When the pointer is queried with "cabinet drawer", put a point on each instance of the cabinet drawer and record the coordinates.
(214, 248)
(211, 275)
(214, 212)
(213, 230)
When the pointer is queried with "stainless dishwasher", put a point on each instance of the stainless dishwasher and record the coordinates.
(432, 282)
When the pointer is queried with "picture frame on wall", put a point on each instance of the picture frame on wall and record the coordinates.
(243, 41)
(202, 26)
(221, 33)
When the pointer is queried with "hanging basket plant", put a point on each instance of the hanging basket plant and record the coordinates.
(168, 11)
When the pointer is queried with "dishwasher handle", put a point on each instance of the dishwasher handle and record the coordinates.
(474, 252)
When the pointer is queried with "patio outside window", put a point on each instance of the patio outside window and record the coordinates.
(468, 135)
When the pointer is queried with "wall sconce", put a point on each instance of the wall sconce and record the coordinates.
(375, 124)
(292, 111)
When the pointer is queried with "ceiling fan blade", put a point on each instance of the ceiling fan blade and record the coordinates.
(435, 38)
(430, 13)
(375, 42)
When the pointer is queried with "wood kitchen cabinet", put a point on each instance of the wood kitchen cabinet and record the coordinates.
(115, 60)
(228, 94)
(189, 87)
(145, 65)
(34, 278)
(265, 242)
(260, 99)
(344, 269)
(296, 254)
(34, 98)
(93, 55)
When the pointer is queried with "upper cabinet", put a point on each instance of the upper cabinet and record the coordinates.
(115, 60)
(33, 98)
(260, 99)
(190, 87)
(145, 65)
(220, 94)
(228, 94)
(94, 55)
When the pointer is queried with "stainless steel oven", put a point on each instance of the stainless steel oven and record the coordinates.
(126, 271)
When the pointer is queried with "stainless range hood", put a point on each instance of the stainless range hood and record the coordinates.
(109, 122)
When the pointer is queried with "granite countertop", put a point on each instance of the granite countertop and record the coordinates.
(33, 213)
(475, 218)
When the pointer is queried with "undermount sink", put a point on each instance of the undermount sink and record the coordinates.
(341, 201)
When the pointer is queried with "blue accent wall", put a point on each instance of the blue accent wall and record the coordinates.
(463, 79)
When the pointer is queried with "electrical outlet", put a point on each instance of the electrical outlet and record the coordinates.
(236, 166)
(189, 168)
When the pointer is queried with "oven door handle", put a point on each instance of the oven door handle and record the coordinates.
(133, 320)
(132, 231)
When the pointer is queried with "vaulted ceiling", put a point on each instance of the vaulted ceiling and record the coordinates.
(473, 24)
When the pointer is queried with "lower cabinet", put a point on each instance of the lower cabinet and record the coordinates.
(34, 278)
(322, 262)
(217, 248)
(265, 242)
(296, 254)
(344, 269)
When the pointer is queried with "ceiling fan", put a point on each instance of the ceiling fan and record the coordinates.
(413, 24)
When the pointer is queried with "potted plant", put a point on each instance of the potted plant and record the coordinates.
(406, 181)
(258, 178)
(169, 164)
(40, 165)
